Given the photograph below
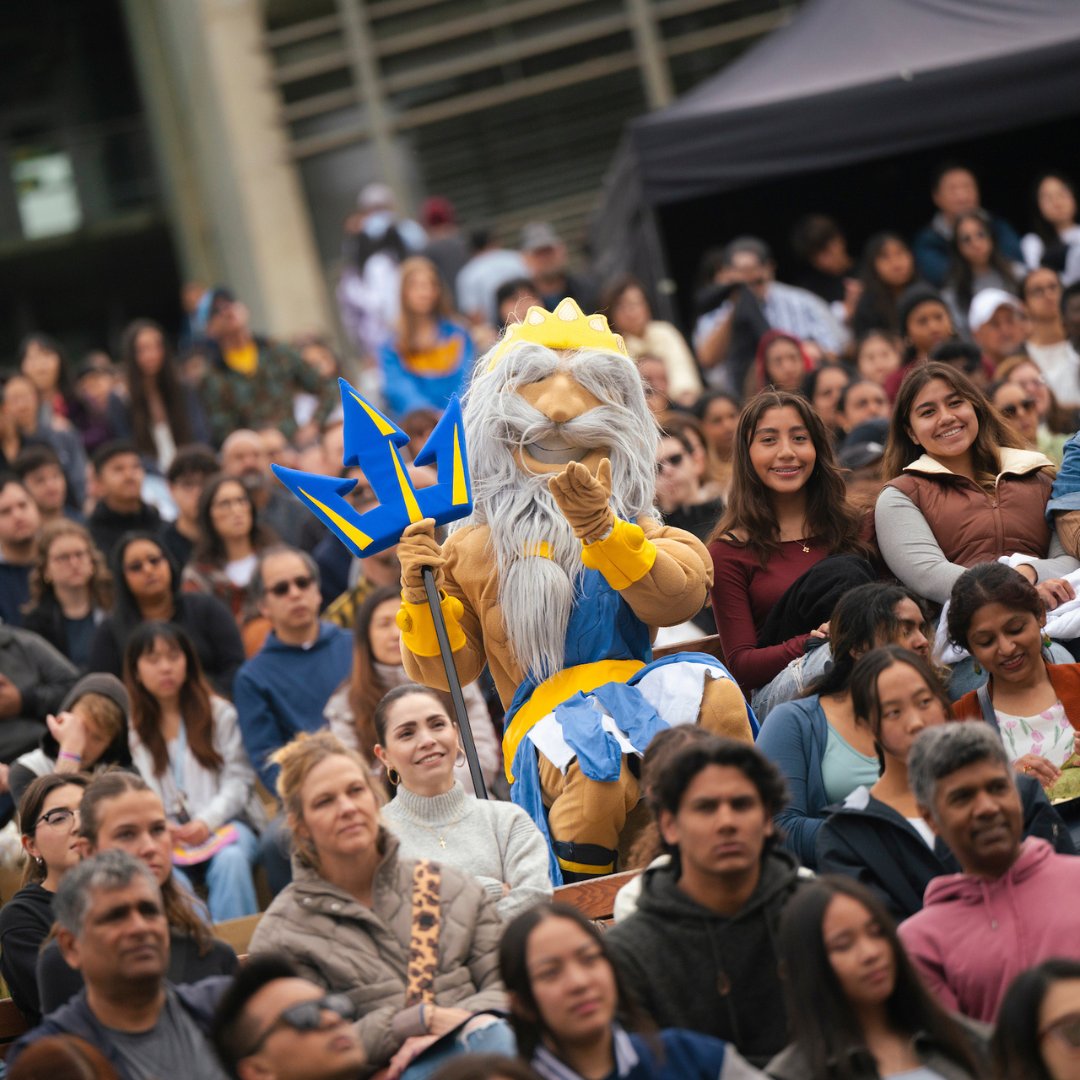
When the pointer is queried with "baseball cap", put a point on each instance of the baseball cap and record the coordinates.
(538, 235)
(987, 302)
(864, 445)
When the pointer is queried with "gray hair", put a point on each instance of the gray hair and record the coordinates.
(748, 244)
(258, 585)
(110, 870)
(536, 595)
(940, 751)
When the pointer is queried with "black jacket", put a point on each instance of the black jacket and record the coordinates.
(869, 841)
(107, 526)
(25, 921)
(691, 968)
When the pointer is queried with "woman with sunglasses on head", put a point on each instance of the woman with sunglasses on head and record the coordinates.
(1037, 1035)
(571, 1014)
(857, 1006)
(118, 810)
(788, 545)
(877, 835)
(148, 589)
(352, 888)
(49, 823)
(435, 818)
(960, 490)
(185, 742)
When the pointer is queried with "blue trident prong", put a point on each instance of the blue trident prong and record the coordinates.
(373, 442)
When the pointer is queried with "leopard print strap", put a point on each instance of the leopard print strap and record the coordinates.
(424, 934)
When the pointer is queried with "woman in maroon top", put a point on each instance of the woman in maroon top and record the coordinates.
(789, 544)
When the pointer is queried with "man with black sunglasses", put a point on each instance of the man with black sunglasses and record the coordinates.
(274, 1025)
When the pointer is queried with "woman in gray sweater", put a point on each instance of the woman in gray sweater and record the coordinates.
(435, 818)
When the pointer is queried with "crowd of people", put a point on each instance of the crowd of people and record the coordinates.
(206, 712)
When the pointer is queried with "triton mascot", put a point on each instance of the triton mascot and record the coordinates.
(559, 578)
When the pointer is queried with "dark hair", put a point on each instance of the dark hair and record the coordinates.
(510, 288)
(943, 168)
(812, 233)
(210, 547)
(111, 449)
(701, 406)
(126, 607)
(31, 458)
(1016, 1047)
(809, 386)
(864, 682)
(37, 791)
(168, 385)
(993, 434)
(525, 1018)
(1042, 228)
(879, 298)
(824, 1026)
(62, 1057)
(863, 617)
(750, 508)
(614, 291)
(484, 1067)
(957, 352)
(989, 583)
(193, 460)
(231, 1032)
(47, 343)
(195, 693)
(961, 277)
(1025, 281)
(7, 478)
(180, 911)
(1068, 293)
(391, 697)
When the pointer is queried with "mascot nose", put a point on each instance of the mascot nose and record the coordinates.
(561, 399)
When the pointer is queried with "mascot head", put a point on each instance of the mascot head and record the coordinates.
(557, 388)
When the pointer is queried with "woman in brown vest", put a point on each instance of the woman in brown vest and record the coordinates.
(960, 491)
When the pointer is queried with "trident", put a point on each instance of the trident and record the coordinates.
(372, 443)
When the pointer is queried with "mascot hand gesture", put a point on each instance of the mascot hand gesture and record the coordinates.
(585, 500)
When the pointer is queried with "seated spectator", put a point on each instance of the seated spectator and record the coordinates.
(1047, 343)
(567, 1009)
(39, 468)
(490, 267)
(888, 268)
(513, 300)
(860, 456)
(627, 308)
(780, 363)
(185, 743)
(925, 322)
(254, 380)
(996, 321)
(88, 730)
(1036, 1030)
(823, 388)
(654, 376)
(1056, 423)
(1004, 913)
(188, 474)
(680, 496)
(434, 818)
(976, 265)
(377, 670)
(955, 191)
(934, 519)
(118, 477)
(547, 266)
(162, 412)
(112, 927)
(63, 1057)
(273, 1024)
(231, 538)
(877, 356)
(446, 246)
(860, 401)
(726, 882)
(819, 243)
(877, 835)
(119, 811)
(1054, 241)
(48, 821)
(1021, 411)
(349, 886)
(821, 747)
(429, 357)
(853, 994)
(98, 406)
(685, 426)
(966, 358)
(20, 527)
(70, 589)
(148, 589)
(244, 457)
(788, 545)
(718, 412)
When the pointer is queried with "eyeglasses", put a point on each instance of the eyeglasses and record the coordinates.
(672, 461)
(307, 1016)
(281, 588)
(65, 558)
(229, 504)
(1051, 288)
(1028, 405)
(57, 818)
(1066, 1030)
(150, 561)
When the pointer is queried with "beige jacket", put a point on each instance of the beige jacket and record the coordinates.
(349, 948)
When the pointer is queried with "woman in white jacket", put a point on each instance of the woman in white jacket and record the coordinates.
(186, 744)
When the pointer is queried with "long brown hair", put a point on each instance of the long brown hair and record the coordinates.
(1059, 419)
(180, 912)
(994, 433)
(37, 791)
(409, 322)
(750, 506)
(366, 687)
(210, 548)
(168, 385)
(195, 706)
(100, 584)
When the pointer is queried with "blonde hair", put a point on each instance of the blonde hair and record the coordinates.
(295, 761)
(103, 712)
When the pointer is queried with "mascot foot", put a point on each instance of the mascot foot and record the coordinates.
(723, 710)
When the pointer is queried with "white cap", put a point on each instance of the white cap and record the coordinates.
(985, 303)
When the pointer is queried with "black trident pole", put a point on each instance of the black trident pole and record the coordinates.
(453, 682)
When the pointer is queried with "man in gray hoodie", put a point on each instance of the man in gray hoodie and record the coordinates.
(699, 951)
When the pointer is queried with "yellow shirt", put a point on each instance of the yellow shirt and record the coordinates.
(245, 360)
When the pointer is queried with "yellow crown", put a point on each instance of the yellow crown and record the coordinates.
(567, 327)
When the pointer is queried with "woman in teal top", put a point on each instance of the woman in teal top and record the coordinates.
(815, 740)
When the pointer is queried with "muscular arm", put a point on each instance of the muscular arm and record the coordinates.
(677, 585)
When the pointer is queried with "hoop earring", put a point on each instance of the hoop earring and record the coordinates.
(393, 776)
(461, 758)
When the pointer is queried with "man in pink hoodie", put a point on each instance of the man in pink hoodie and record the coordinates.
(1015, 903)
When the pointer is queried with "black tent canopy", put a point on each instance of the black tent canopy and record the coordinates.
(843, 99)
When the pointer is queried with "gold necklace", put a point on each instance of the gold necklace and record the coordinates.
(438, 831)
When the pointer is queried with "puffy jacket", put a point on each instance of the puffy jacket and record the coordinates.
(363, 951)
